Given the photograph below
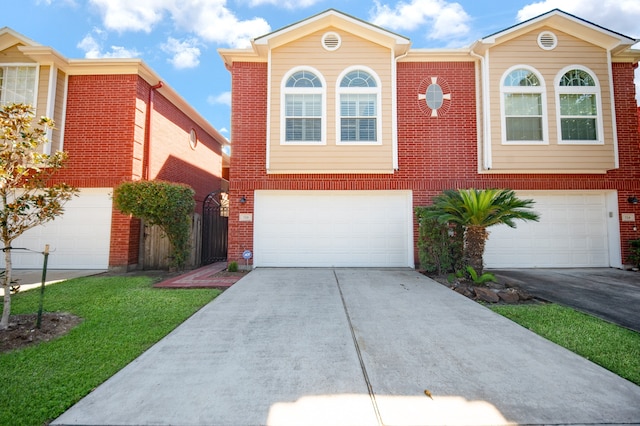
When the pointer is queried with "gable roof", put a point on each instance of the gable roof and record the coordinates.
(45, 55)
(9, 37)
(568, 23)
(333, 17)
(329, 18)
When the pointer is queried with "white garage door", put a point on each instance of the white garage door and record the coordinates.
(333, 228)
(79, 239)
(572, 232)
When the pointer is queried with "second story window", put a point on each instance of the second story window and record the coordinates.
(579, 117)
(303, 108)
(18, 85)
(523, 107)
(358, 107)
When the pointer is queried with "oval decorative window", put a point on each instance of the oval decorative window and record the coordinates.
(193, 139)
(434, 96)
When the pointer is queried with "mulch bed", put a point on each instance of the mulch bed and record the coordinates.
(22, 331)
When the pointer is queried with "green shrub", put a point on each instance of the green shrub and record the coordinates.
(166, 204)
(634, 254)
(480, 279)
(439, 245)
(232, 267)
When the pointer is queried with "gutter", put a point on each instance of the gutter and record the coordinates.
(146, 159)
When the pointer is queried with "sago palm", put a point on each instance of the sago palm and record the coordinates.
(476, 210)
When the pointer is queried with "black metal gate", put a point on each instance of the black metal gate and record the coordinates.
(215, 223)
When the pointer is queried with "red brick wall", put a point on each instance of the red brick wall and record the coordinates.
(98, 135)
(433, 153)
(172, 158)
(104, 136)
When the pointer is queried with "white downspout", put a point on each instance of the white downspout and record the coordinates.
(486, 134)
(394, 100)
(614, 118)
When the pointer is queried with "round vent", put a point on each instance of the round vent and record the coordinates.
(547, 40)
(331, 41)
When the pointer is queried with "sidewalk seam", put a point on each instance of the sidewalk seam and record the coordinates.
(359, 353)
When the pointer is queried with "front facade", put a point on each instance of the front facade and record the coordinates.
(118, 122)
(340, 129)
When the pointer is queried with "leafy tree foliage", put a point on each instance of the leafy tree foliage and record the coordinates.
(476, 210)
(439, 244)
(26, 198)
(166, 204)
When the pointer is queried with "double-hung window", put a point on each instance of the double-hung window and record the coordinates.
(578, 105)
(523, 106)
(359, 108)
(303, 108)
(18, 84)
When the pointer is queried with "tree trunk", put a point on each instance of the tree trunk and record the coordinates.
(474, 241)
(6, 286)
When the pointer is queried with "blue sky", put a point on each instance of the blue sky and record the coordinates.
(179, 38)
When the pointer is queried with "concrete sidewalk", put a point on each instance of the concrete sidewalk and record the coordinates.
(354, 347)
(29, 279)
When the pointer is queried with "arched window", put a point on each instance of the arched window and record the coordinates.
(523, 106)
(359, 107)
(303, 101)
(578, 106)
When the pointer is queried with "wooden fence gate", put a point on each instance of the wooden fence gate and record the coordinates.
(157, 248)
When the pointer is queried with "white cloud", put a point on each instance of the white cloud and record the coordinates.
(93, 48)
(214, 22)
(209, 19)
(186, 54)
(444, 20)
(287, 4)
(223, 98)
(223, 130)
(617, 15)
(127, 15)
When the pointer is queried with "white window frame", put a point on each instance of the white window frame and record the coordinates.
(359, 90)
(284, 91)
(596, 90)
(541, 90)
(36, 67)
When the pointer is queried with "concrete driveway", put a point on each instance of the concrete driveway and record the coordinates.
(354, 347)
(608, 293)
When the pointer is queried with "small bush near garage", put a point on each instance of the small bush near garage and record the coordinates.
(634, 254)
(439, 245)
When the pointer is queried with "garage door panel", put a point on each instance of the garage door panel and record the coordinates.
(332, 228)
(572, 232)
(79, 239)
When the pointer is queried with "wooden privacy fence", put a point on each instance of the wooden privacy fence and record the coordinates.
(157, 248)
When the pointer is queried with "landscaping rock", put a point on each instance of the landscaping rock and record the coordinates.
(465, 291)
(509, 296)
(486, 295)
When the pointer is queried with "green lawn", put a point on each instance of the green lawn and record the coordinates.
(122, 317)
(614, 348)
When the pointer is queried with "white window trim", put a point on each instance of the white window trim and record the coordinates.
(577, 90)
(368, 90)
(542, 90)
(37, 78)
(284, 91)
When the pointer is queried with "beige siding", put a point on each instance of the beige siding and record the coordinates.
(13, 55)
(524, 50)
(58, 111)
(331, 157)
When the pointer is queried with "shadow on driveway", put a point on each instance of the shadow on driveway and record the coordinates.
(607, 293)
